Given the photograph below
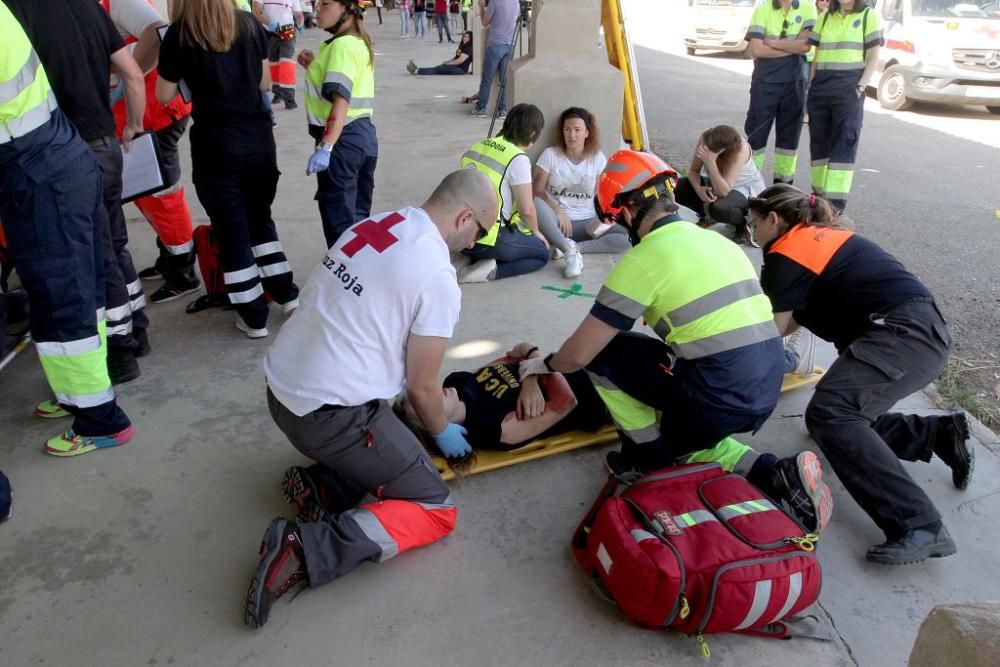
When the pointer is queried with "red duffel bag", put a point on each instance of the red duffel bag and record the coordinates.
(698, 550)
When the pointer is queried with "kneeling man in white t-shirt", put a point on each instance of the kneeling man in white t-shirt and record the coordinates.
(374, 318)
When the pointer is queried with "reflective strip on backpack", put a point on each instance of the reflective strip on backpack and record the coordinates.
(794, 592)
(748, 507)
(761, 599)
(695, 517)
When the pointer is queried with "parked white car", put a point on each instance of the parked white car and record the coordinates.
(718, 25)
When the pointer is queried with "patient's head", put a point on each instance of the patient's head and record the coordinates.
(454, 411)
(726, 139)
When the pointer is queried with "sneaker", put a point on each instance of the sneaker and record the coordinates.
(249, 330)
(574, 263)
(71, 444)
(289, 307)
(122, 365)
(953, 446)
(411, 67)
(275, 98)
(555, 254)
(302, 493)
(142, 338)
(799, 482)
(50, 410)
(171, 291)
(478, 272)
(803, 343)
(290, 105)
(913, 547)
(281, 567)
(152, 273)
(476, 113)
(501, 115)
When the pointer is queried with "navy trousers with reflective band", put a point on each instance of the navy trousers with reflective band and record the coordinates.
(848, 418)
(235, 175)
(834, 135)
(780, 105)
(124, 299)
(369, 448)
(641, 366)
(55, 232)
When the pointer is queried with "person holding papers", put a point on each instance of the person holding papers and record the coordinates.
(221, 54)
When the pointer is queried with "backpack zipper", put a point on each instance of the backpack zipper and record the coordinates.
(771, 545)
(676, 473)
(681, 605)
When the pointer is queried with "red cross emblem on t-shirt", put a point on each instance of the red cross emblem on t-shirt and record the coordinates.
(374, 234)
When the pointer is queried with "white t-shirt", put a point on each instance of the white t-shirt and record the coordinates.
(518, 173)
(572, 185)
(131, 17)
(386, 277)
(280, 11)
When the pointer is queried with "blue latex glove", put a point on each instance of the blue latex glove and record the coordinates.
(272, 26)
(300, 29)
(452, 443)
(318, 161)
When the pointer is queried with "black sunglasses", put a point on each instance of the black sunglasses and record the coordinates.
(483, 231)
(784, 29)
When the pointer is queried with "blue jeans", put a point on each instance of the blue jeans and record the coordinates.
(404, 22)
(516, 253)
(441, 69)
(419, 24)
(494, 62)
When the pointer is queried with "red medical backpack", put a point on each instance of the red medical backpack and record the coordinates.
(698, 550)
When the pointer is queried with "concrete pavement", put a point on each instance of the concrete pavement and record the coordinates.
(141, 556)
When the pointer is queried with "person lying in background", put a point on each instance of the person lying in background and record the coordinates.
(460, 64)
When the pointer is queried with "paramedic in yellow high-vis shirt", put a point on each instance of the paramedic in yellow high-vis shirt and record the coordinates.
(340, 100)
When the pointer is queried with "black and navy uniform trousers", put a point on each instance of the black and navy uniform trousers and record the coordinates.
(52, 209)
(906, 347)
(780, 105)
(835, 119)
(345, 189)
(235, 174)
(366, 449)
(124, 298)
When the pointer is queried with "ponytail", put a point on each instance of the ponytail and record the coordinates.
(794, 207)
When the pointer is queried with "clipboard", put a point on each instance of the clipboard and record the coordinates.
(142, 168)
(182, 86)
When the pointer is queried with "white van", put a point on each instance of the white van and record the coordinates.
(718, 25)
(944, 51)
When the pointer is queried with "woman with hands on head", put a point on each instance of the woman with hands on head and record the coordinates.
(721, 178)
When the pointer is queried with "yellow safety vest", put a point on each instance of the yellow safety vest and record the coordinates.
(492, 156)
(343, 66)
(26, 99)
(696, 289)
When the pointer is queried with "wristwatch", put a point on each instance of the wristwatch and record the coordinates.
(861, 88)
(326, 147)
(548, 362)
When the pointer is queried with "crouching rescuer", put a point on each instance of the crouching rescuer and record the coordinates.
(715, 368)
(374, 318)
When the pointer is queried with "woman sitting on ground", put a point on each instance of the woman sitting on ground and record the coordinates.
(564, 180)
(500, 411)
(513, 245)
(460, 64)
(721, 178)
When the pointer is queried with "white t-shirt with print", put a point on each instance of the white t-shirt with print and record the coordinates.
(385, 278)
(572, 185)
(131, 17)
(280, 11)
(518, 173)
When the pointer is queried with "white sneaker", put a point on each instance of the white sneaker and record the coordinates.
(556, 254)
(480, 272)
(289, 307)
(803, 343)
(460, 261)
(249, 330)
(574, 263)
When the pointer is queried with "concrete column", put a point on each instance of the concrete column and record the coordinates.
(566, 67)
